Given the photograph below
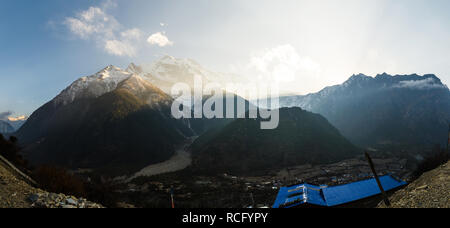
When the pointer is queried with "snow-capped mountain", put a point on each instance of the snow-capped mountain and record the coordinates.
(163, 73)
(167, 71)
(114, 121)
(371, 110)
(93, 86)
(361, 84)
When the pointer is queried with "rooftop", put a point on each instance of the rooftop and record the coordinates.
(325, 196)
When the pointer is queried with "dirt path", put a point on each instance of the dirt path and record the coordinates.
(179, 161)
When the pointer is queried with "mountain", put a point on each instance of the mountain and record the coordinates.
(17, 122)
(401, 109)
(113, 122)
(207, 126)
(5, 127)
(242, 147)
(167, 71)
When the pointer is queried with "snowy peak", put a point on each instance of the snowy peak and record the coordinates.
(164, 73)
(356, 78)
(92, 86)
(168, 70)
(359, 84)
(385, 81)
(134, 69)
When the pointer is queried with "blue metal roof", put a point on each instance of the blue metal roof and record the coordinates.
(333, 196)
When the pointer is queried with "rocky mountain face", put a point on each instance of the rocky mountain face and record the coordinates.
(401, 109)
(242, 147)
(113, 122)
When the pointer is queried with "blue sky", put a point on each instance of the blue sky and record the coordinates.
(45, 45)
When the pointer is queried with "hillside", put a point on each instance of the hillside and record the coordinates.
(431, 190)
(386, 109)
(16, 193)
(205, 126)
(243, 148)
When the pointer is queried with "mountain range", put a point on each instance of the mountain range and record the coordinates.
(118, 121)
(11, 124)
(386, 109)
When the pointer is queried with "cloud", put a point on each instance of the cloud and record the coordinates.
(281, 64)
(119, 48)
(429, 83)
(132, 34)
(19, 118)
(159, 39)
(92, 23)
(4, 115)
(96, 24)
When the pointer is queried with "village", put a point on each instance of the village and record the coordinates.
(228, 190)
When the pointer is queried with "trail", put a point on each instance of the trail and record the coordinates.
(179, 161)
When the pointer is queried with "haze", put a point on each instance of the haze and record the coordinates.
(305, 45)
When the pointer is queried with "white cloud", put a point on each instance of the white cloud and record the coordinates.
(132, 34)
(159, 39)
(96, 24)
(428, 83)
(120, 48)
(281, 64)
(91, 23)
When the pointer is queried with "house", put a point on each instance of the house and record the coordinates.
(306, 195)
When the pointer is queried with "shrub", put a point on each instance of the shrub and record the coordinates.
(59, 180)
(11, 151)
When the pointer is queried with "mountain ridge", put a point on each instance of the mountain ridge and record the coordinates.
(372, 110)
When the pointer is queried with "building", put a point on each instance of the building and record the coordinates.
(306, 195)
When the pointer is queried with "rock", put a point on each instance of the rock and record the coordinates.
(71, 201)
(33, 198)
(424, 187)
(68, 206)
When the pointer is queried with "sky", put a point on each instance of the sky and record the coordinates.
(45, 45)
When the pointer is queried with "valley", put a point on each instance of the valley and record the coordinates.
(179, 161)
(229, 191)
(116, 127)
